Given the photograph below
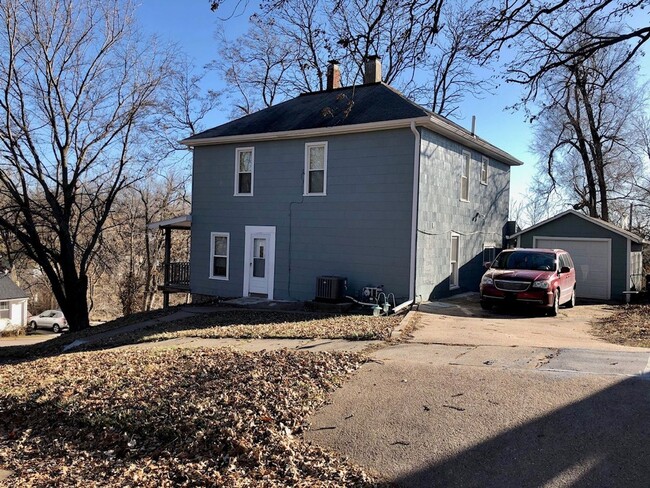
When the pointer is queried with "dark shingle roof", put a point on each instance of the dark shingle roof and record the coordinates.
(363, 104)
(606, 225)
(9, 290)
(340, 109)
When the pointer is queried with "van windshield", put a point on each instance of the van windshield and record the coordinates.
(538, 261)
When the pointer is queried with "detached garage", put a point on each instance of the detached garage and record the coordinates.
(608, 259)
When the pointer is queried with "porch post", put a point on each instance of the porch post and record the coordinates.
(168, 247)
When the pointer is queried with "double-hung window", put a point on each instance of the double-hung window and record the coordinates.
(485, 163)
(244, 170)
(219, 255)
(4, 305)
(454, 254)
(316, 168)
(464, 178)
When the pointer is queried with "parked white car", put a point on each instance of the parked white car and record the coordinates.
(50, 319)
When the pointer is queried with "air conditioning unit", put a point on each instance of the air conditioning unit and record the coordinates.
(330, 288)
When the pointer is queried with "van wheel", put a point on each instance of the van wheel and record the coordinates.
(34, 325)
(556, 304)
(572, 303)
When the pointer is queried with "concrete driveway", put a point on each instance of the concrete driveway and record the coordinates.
(460, 320)
(490, 400)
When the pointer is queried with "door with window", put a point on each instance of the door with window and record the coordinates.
(260, 261)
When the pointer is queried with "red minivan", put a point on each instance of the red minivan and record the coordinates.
(536, 277)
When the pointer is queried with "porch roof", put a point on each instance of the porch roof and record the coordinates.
(181, 222)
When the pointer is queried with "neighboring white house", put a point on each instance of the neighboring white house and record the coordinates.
(13, 302)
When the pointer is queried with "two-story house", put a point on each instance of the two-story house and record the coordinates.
(358, 182)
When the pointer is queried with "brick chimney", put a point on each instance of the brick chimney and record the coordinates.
(333, 75)
(372, 71)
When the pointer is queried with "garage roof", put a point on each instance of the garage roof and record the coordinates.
(10, 290)
(606, 225)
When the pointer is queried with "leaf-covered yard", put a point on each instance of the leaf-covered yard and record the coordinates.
(170, 418)
(252, 324)
(628, 325)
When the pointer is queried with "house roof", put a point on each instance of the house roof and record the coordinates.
(361, 108)
(606, 225)
(10, 290)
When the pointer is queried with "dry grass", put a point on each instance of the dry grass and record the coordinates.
(628, 325)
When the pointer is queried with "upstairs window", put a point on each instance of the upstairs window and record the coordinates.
(315, 168)
(485, 163)
(464, 178)
(219, 255)
(244, 166)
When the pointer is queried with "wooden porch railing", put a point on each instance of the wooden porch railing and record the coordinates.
(177, 274)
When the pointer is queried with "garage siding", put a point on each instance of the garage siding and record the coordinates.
(574, 226)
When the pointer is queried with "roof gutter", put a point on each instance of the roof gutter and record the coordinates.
(299, 134)
(447, 129)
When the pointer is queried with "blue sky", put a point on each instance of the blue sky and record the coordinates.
(192, 25)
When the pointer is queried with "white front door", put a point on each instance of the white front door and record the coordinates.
(259, 262)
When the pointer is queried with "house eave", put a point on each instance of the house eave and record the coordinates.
(462, 136)
(447, 129)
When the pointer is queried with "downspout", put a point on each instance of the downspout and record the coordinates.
(628, 266)
(414, 209)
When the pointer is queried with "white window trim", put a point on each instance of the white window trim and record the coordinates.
(485, 161)
(469, 171)
(4, 305)
(212, 236)
(238, 151)
(451, 267)
(309, 145)
(493, 247)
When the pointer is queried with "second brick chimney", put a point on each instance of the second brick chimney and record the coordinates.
(372, 71)
(333, 75)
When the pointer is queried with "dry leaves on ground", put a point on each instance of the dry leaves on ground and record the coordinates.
(252, 324)
(170, 418)
(629, 325)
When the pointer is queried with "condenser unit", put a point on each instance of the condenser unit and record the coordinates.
(330, 288)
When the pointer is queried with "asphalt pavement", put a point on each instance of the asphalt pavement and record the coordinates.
(487, 400)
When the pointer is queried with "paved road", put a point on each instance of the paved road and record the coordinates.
(496, 413)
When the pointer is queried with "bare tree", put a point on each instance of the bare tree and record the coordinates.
(449, 69)
(399, 32)
(425, 50)
(254, 66)
(585, 133)
(525, 25)
(77, 86)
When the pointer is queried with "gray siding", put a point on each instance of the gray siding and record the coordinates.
(441, 212)
(360, 230)
(573, 226)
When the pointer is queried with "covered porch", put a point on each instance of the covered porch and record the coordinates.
(176, 273)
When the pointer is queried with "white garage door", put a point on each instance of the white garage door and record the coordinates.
(593, 261)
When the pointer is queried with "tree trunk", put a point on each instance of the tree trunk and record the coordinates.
(74, 303)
